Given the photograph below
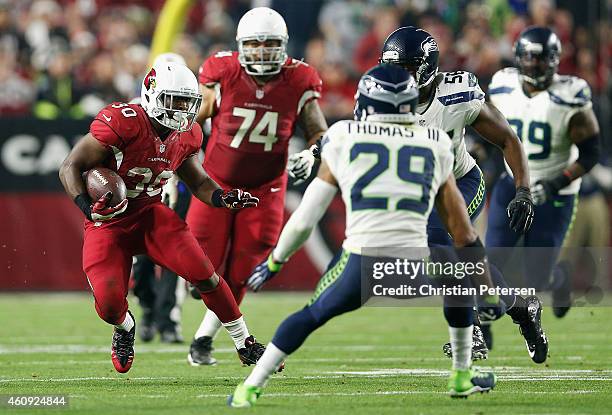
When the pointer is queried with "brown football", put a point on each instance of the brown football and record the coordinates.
(100, 180)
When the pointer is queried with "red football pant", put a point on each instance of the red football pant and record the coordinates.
(237, 241)
(160, 233)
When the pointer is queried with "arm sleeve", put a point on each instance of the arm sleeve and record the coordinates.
(106, 133)
(312, 88)
(212, 69)
(317, 198)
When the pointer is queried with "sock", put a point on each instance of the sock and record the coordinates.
(518, 311)
(238, 330)
(461, 343)
(128, 323)
(209, 327)
(266, 366)
(220, 301)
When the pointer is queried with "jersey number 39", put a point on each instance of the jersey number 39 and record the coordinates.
(405, 155)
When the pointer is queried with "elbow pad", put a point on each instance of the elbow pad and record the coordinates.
(589, 152)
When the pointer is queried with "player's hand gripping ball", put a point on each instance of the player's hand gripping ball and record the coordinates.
(238, 199)
(108, 193)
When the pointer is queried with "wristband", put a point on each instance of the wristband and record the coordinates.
(273, 265)
(83, 201)
(216, 198)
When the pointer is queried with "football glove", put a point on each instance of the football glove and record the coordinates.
(238, 199)
(100, 211)
(263, 273)
(299, 165)
(545, 190)
(491, 308)
(520, 210)
(170, 193)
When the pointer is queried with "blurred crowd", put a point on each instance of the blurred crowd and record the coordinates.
(68, 58)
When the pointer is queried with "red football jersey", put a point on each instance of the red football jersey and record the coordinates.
(253, 124)
(141, 158)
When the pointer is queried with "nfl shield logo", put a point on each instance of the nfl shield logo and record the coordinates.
(162, 148)
(259, 94)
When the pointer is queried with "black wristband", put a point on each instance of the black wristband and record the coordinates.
(216, 198)
(83, 201)
(560, 182)
(473, 252)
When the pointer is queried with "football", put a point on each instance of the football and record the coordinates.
(100, 180)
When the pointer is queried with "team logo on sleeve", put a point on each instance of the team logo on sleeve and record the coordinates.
(429, 45)
(149, 81)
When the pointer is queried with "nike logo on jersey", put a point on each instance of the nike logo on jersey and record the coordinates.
(275, 189)
(107, 118)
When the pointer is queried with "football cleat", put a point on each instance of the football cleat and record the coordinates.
(463, 383)
(479, 347)
(487, 334)
(200, 352)
(244, 396)
(146, 328)
(171, 336)
(122, 348)
(252, 352)
(562, 293)
(531, 329)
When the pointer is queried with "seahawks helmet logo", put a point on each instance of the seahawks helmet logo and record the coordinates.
(429, 45)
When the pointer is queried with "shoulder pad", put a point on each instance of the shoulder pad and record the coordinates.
(570, 91)
(504, 81)
(121, 118)
(457, 87)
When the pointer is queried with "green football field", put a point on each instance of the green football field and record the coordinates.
(373, 361)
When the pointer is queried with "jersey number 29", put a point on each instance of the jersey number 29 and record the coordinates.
(405, 155)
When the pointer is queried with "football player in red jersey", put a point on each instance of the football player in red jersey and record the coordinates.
(256, 97)
(145, 144)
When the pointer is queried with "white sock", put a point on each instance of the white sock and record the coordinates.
(128, 323)
(209, 326)
(238, 330)
(461, 343)
(266, 366)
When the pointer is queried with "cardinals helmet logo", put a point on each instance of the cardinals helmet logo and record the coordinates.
(149, 81)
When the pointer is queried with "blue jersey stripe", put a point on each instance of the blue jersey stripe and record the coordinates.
(501, 90)
(558, 100)
(460, 97)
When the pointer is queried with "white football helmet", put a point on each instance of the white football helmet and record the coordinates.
(169, 57)
(170, 95)
(262, 24)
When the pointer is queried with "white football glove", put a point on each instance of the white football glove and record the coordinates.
(170, 192)
(299, 165)
(101, 211)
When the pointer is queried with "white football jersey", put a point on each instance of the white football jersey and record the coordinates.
(389, 175)
(542, 121)
(456, 103)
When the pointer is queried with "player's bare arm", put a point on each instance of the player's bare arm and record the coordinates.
(494, 128)
(312, 121)
(208, 191)
(583, 131)
(207, 108)
(86, 154)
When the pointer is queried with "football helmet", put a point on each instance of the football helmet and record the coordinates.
(170, 95)
(169, 57)
(415, 50)
(386, 93)
(262, 24)
(536, 54)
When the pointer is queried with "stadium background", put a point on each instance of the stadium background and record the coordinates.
(63, 60)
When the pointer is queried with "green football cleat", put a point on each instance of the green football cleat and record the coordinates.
(463, 383)
(244, 396)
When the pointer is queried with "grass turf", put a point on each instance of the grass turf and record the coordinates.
(375, 360)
